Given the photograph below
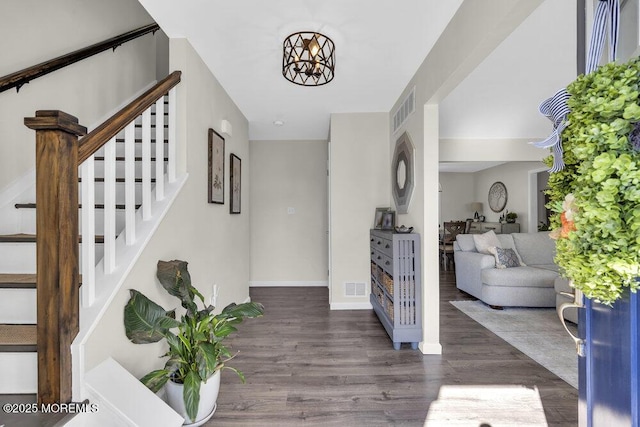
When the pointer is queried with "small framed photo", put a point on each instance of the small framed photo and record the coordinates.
(234, 178)
(216, 167)
(388, 220)
(377, 221)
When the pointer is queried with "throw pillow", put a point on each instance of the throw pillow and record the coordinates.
(485, 241)
(505, 257)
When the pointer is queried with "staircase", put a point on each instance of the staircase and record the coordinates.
(121, 176)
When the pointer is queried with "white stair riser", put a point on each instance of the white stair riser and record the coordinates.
(153, 131)
(18, 257)
(28, 221)
(19, 373)
(21, 257)
(99, 169)
(18, 306)
(120, 193)
(138, 149)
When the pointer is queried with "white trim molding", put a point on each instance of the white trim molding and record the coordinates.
(351, 306)
(290, 283)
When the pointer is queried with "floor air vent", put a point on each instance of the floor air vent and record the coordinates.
(354, 289)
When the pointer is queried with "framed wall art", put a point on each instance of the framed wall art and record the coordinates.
(497, 196)
(216, 167)
(377, 220)
(235, 184)
(388, 220)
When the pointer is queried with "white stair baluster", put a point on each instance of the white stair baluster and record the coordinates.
(110, 206)
(171, 170)
(88, 246)
(146, 164)
(130, 183)
(160, 149)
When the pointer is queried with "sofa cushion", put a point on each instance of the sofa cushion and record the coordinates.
(535, 248)
(519, 277)
(505, 257)
(485, 241)
(506, 241)
(562, 285)
(550, 267)
(465, 242)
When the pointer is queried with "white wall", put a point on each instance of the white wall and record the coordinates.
(515, 176)
(33, 31)
(360, 181)
(288, 247)
(474, 32)
(458, 191)
(215, 243)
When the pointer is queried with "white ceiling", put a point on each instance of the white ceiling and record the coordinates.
(379, 46)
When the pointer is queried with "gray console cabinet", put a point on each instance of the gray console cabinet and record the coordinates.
(498, 228)
(396, 291)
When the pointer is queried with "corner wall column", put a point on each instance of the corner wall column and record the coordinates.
(430, 254)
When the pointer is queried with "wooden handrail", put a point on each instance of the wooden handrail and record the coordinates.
(21, 77)
(110, 128)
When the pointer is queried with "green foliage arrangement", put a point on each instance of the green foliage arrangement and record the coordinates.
(600, 249)
(196, 349)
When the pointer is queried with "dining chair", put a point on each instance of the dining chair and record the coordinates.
(451, 230)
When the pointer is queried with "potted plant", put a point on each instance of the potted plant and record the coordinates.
(196, 352)
(511, 217)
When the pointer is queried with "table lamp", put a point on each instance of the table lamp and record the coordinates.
(477, 207)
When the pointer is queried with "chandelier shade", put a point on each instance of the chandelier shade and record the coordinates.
(308, 58)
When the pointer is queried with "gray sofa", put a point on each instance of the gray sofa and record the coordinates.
(531, 285)
(561, 286)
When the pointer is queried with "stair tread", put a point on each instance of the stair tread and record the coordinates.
(119, 180)
(121, 158)
(31, 238)
(139, 140)
(12, 336)
(21, 280)
(97, 206)
(17, 280)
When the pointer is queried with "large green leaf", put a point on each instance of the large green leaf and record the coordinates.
(191, 394)
(154, 380)
(247, 309)
(207, 359)
(145, 321)
(175, 278)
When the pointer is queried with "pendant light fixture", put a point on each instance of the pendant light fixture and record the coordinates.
(308, 59)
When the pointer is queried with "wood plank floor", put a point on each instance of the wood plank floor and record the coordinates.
(307, 365)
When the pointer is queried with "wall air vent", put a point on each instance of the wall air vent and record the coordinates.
(354, 289)
(406, 108)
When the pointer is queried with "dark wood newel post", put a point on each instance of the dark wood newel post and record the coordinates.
(57, 249)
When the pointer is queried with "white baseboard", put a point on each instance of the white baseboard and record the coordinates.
(430, 348)
(264, 283)
(351, 306)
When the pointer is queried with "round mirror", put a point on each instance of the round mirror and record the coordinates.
(401, 174)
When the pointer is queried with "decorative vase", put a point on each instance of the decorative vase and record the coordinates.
(208, 396)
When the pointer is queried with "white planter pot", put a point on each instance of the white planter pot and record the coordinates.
(208, 396)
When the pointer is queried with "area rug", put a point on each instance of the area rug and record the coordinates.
(537, 332)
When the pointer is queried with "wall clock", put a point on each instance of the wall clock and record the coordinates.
(497, 196)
